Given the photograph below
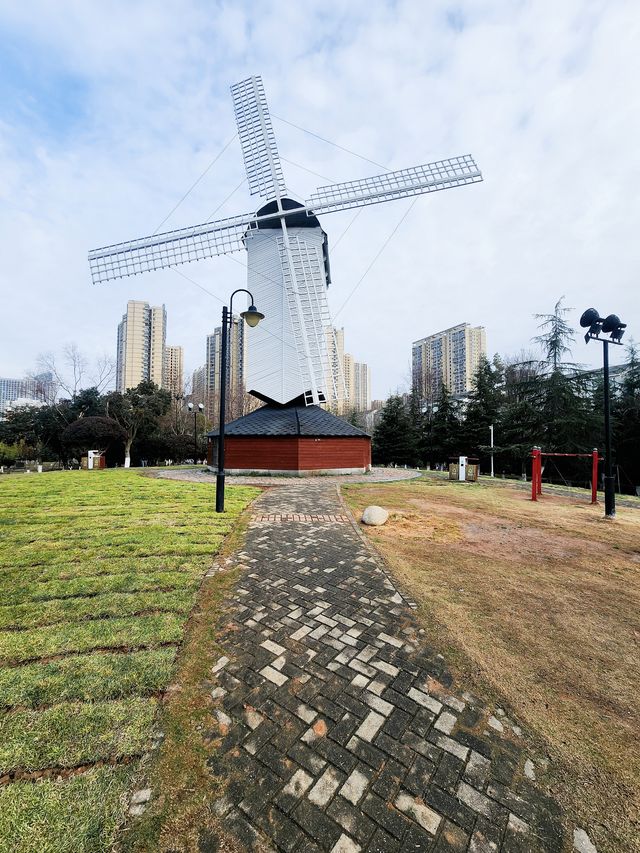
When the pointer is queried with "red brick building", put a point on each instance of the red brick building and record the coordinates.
(293, 439)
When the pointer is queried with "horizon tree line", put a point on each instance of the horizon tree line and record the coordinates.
(529, 401)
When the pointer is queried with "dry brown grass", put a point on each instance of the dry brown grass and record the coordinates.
(539, 606)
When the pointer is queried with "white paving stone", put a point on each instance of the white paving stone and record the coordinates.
(306, 713)
(220, 664)
(445, 722)
(301, 632)
(354, 787)
(426, 817)
(222, 718)
(495, 724)
(517, 825)
(298, 784)
(370, 726)
(378, 704)
(325, 787)
(345, 845)
(452, 746)
(273, 675)
(474, 799)
(391, 641)
(270, 646)
(425, 700)
(252, 718)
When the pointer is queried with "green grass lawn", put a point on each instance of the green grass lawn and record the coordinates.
(98, 574)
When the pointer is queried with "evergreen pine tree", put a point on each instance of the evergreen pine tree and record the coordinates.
(393, 437)
(444, 432)
(484, 409)
(626, 422)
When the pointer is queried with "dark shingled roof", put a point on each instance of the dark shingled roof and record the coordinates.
(307, 421)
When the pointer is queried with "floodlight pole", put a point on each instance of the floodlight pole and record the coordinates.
(613, 326)
(227, 320)
(609, 480)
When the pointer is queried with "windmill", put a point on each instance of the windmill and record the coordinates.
(288, 259)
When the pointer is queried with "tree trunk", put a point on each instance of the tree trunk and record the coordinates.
(127, 453)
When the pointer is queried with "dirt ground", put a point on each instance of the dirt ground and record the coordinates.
(537, 605)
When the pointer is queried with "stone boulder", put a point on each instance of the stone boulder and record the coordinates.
(374, 515)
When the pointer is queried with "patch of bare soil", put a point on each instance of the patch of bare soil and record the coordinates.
(537, 604)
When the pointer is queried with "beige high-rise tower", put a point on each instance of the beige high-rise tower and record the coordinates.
(141, 344)
(174, 370)
(236, 367)
(450, 357)
(353, 391)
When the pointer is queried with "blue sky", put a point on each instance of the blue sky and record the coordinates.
(109, 112)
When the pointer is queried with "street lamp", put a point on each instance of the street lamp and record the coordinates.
(612, 326)
(195, 429)
(252, 317)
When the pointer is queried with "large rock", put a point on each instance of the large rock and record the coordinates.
(374, 515)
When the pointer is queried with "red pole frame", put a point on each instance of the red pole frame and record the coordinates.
(535, 460)
(539, 471)
(594, 476)
(536, 471)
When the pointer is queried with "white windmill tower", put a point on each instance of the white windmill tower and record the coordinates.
(288, 262)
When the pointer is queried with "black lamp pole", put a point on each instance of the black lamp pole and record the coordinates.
(612, 325)
(195, 429)
(252, 317)
(223, 402)
(195, 437)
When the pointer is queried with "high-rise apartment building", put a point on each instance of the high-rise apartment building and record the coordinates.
(142, 335)
(35, 390)
(198, 384)
(361, 387)
(174, 370)
(450, 357)
(353, 390)
(236, 369)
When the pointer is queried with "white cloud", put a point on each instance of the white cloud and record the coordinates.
(118, 108)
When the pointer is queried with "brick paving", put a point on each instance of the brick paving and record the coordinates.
(337, 728)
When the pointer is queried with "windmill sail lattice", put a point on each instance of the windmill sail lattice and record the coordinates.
(258, 141)
(287, 249)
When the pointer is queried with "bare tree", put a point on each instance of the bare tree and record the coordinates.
(103, 372)
(72, 371)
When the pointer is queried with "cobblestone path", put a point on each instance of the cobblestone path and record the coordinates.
(339, 730)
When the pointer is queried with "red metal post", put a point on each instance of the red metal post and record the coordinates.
(594, 476)
(535, 456)
(539, 472)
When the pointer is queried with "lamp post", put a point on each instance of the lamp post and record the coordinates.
(612, 326)
(491, 433)
(252, 317)
(200, 409)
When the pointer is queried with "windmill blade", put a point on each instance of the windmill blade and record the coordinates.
(441, 175)
(170, 249)
(259, 149)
